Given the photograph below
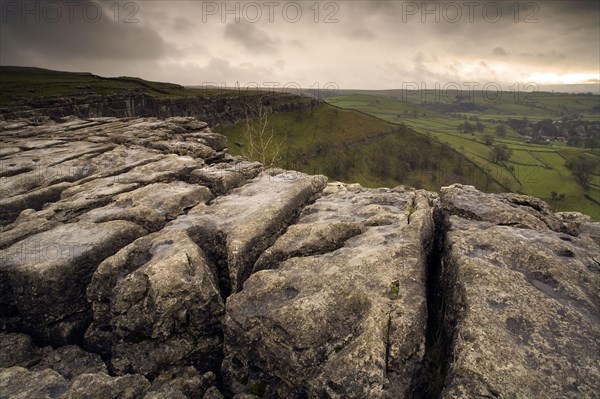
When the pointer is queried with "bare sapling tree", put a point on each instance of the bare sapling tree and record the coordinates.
(260, 142)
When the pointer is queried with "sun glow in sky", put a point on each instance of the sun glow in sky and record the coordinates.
(569, 78)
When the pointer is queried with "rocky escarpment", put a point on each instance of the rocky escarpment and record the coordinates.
(140, 260)
(215, 110)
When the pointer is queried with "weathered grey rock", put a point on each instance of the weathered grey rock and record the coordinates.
(71, 361)
(6, 151)
(165, 393)
(213, 393)
(217, 141)
(305, 239)
(18, 350)
(30, 222)
(86, 167)
(343, 319)
(186, 380)
(45, 182)
(236, 228)
(75, 167)
(64, 153)
(167, 169)
(20, 383)
(329, 299)
(103, 386)
(35, 199)
(42, 161)
(522, 312)
(195, 149)
(156, 304)
(151, 206)
(582, 225)
(216, 110)
(43, 279)
(223, 177)
(503, 209)
(36, 144)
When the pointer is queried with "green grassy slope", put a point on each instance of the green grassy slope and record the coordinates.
(354, 147)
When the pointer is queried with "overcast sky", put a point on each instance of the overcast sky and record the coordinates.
(352, 44)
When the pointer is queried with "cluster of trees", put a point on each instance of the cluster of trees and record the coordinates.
(576, 132)
(556, 197)
(572, 130)
(468, 127)
(397, 158)
(583, 168)
(501, 130)
(500, 153)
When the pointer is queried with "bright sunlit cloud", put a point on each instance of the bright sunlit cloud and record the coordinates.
(569, 78)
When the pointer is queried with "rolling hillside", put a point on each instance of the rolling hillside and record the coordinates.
(535, 169)
(354, 147)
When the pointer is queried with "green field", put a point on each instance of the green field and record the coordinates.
(533, 169)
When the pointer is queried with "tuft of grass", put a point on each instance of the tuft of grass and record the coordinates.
(394, 289)
(258, 388)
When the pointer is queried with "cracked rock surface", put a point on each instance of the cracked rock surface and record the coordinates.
(523, 300)
(336, 317)
(138, 259)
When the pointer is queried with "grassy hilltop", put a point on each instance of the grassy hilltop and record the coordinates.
(19, 85)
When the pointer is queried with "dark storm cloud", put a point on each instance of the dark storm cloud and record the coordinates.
(76, 34)
(373, 44)
(577, 8)
(251, 37)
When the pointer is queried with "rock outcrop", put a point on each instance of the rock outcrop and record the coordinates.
(157, 304)
(138, 259)
(336, 315)
(521, 299)
(215, 110)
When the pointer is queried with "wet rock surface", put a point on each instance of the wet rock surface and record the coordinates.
(139, 260)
